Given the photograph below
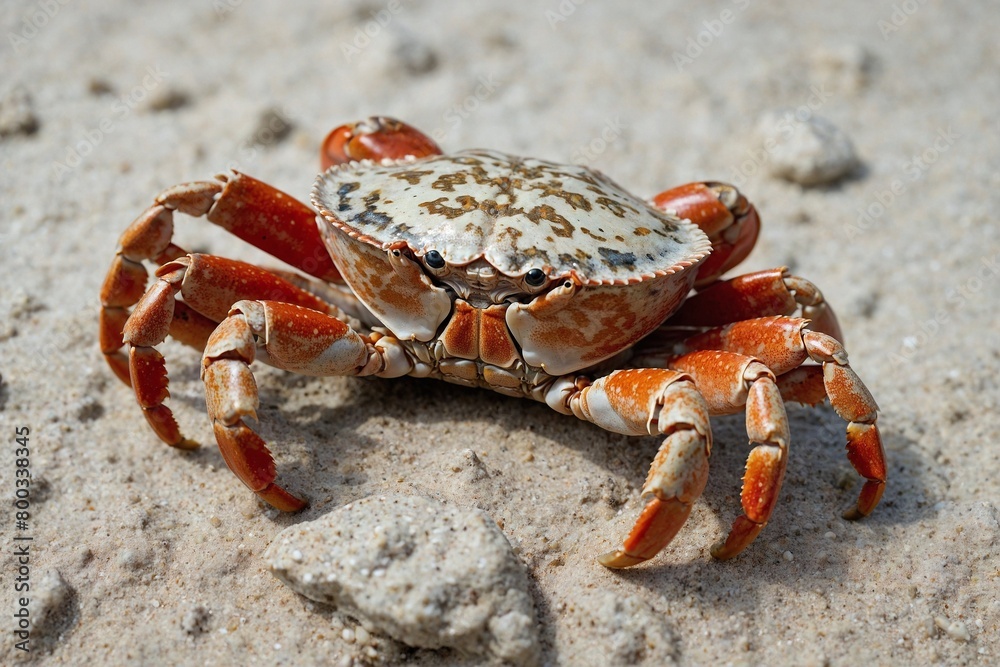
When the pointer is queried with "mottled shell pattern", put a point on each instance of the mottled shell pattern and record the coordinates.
(615, 266)
(516, 213)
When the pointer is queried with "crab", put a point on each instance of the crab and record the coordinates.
(534, 279)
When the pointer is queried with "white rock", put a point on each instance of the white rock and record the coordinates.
(954, 629)
(450, 578)
(805, 148)
(52, 607)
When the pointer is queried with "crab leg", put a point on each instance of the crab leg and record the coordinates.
(782, 344)
(377, 138)
(209, 286)
(293, 338)
(730, 221)
(759, 294)
(649, 402)
(190, 327)
(730, 381)
(803, 385)
(148, 238)
(251, 210)
(337, 295)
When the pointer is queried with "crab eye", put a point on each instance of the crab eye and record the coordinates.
(434, 259)
(535, 278)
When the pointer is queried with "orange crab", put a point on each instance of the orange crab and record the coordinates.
(527, 277)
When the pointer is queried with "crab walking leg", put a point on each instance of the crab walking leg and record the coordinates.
(854, 403)
(782, 344)
(729, 219)
(251, 210)
(148, 238)
(759, 294)
(729, 382)
(190, 327)
(209, 285)
(337, 295)
(807, 385)
(377, 138)
(803, 385)
(296, 339)
(649, 402)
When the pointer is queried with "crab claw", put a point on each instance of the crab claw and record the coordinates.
(377, 138)
(653, 530)
(728, 218)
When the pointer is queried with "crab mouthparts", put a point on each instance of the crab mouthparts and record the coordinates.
(481, 276)
(480, 284)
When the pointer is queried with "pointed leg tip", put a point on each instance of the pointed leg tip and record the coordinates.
(742, 535)
(871, 495)
(186, 444)
(720, 552)
(617, 560)
(278, 498)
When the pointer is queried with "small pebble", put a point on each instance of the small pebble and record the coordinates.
(416, 57)
(954, 629)
(273, 127)
(52, 609)
(805, 148)
(195, 621)
(100, 87)
(17, 115)
(169, 99)
(131, 559)
(83, 556)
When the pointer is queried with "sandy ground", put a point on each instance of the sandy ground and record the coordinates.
(144, 555)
